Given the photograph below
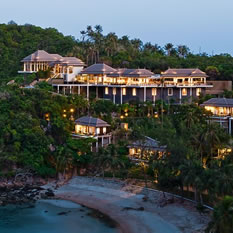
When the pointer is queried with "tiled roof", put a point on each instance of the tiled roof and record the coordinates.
(43, 56)
(184, 73)
(132, 73)
(70, 61)
(99, 68)
(218, 102)
(91, 121)
(147, 143)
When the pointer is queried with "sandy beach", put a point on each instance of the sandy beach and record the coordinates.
(124, 203)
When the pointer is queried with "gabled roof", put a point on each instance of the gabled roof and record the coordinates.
(147, 143)
(99, 68)
(218, 102)
(132, 73)
(91, 121)
(40, 55)
(184, 73)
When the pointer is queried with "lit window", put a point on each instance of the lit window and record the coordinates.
(106, 90)
(198, 91)
(126, 126)
(104, 130)
(184, 91)
(124, 91)
(97, 131)
(170, 92)
(131, 151)
(134, 92)
(154, 91)
(114, 91)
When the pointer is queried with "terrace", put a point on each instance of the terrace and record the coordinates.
(104, 80)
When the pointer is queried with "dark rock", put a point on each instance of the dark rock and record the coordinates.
(64, 213)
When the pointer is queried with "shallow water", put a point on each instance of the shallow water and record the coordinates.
(43, 217)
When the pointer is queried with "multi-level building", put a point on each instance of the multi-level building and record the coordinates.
(125, 85)
(66, 68)
(183, 84)
(222, 110)
(90, 127)
(118, 85)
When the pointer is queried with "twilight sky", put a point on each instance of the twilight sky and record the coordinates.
(202, 25)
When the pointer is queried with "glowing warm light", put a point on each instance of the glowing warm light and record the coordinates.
(156, 115)
(126, 126)
(198, 91)
(97, 131)
(64, 115)
(154, 91)
(126, 114)
(106, 90)
(184, 91)
(121, 116)
(64, 110)
(71, 110)
(134, 92)
(124, 91)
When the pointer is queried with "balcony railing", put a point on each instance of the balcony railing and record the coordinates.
(137, 83)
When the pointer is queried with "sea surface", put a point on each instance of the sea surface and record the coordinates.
(52, 216)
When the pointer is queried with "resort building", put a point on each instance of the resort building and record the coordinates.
(90, 127)
(183, 84)
(145, 149)
(66, 68)
(118, 85)
(222, 110)
(138, 85)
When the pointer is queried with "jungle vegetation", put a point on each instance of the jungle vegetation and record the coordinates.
(18, 41)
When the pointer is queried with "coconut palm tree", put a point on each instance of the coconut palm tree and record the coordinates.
(109, 159)
(168, 47)
(182, 50)
(222, 219)
(193, 175)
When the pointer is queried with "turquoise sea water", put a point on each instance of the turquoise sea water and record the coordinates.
(43, 217)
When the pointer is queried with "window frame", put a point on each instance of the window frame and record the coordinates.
(170, 89)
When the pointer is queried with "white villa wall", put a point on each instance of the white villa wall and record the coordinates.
(71, 77)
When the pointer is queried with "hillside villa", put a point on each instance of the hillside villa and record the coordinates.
(118, 85)
(63, 67)
(222, 111)
(90, 127)
(145, 149)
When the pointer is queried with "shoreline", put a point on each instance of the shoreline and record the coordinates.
(124, 204)
(119, 225)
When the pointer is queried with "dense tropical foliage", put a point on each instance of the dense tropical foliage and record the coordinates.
(36, 124)
(18, 41)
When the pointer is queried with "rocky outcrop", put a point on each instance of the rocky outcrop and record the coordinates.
(15, 194)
